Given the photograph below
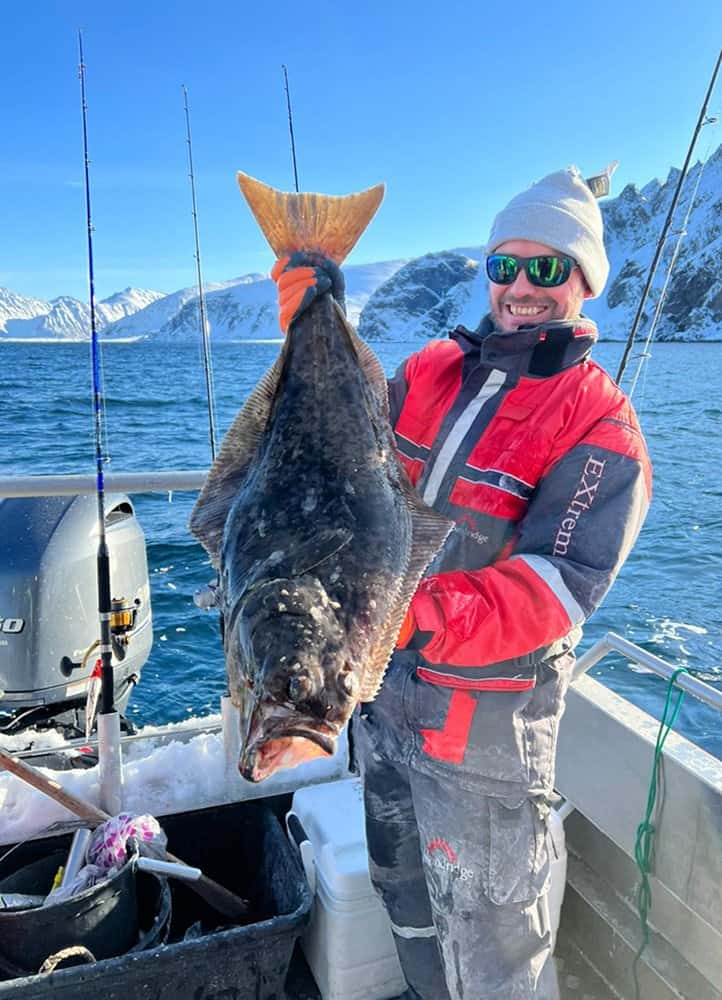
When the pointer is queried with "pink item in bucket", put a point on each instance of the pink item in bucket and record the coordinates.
(107, 847)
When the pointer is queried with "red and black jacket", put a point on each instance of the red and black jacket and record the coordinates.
(537, 456)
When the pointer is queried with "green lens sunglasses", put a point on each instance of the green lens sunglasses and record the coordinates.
(544, 271)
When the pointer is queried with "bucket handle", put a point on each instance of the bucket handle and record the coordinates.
(299, 837)
(74, 951)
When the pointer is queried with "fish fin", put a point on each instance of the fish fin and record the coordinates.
(370, 365)
(208, 517)
(323, 223)
(429, 531)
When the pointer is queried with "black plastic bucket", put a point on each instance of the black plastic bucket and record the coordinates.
(154, 910)
(245, 848)
(103, 918)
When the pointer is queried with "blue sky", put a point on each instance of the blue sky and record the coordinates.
(456, 106)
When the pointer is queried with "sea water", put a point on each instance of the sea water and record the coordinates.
(667, 597)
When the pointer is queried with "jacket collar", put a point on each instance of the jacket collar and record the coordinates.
(538, 351)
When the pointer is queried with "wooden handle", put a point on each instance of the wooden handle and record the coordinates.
(226, 902)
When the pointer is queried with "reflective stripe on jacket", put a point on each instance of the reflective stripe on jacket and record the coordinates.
(537, 456)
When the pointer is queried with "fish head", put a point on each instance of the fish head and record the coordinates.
(291, 674)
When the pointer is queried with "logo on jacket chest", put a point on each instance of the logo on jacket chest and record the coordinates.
(472, 528)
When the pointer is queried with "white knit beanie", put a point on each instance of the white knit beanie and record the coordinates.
(561, 212)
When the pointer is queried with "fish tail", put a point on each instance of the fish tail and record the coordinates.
(320, 223)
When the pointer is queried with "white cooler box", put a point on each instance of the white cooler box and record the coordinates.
(348, 943)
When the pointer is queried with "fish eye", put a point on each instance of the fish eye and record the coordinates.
(347, 683)
(300, 687)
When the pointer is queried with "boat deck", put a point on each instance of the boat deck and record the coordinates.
(577, 979)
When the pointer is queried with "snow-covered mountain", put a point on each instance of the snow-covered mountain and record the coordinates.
(427, 296)
(126, 303)
(433, 294)
(241, 309)
(19, 307)
(692, 309)
(65, 318)
(160, 316)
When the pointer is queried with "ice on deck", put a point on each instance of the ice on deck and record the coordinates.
(168, 771)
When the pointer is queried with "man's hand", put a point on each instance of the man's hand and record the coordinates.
(301, 278)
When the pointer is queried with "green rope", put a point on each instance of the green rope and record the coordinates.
(644, 845)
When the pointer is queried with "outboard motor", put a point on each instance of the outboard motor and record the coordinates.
(49, 623)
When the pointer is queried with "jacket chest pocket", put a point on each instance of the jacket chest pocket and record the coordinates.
(515, 447)
(503, 468)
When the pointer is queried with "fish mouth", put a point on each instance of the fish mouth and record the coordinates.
(289, 749)
(326, 743)
(270, 749)
(263, 728)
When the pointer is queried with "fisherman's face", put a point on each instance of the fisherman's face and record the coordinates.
(524, 304)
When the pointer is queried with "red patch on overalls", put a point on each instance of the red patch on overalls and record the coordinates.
(450, 742)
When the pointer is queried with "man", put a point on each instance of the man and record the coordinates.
(533, 451)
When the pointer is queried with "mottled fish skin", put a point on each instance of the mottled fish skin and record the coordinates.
(315, 547)
(318, 537)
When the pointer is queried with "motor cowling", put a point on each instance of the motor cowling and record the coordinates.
(49, 599)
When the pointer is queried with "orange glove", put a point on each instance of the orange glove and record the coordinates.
(301, 278)
(407, 630)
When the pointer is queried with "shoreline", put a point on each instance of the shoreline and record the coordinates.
(273, 340)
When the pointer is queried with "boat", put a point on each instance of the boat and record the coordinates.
(606, 753)
(630, 922)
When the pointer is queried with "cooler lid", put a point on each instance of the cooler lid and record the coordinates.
(332, 815)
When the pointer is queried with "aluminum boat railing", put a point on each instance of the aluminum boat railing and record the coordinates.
(115, 482)
(172, 481)
(613, 643)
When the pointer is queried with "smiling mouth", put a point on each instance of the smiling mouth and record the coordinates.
(525, 312)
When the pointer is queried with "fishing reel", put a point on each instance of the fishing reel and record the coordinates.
(123, 614)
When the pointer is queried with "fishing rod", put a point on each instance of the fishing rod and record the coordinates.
(106, 649)
(681, 233)
(108, 720)
(201, 297)
(702, 120)
(290, 126)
